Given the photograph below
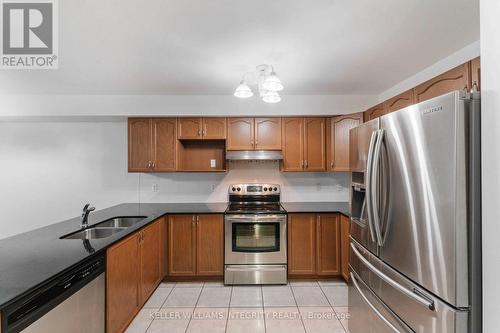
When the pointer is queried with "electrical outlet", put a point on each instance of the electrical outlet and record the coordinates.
(154, 188)
(318, 187)
(213, 163)
(213, 186)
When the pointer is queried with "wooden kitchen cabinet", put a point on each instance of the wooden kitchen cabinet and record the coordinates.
(150, 259)
(475, 69)
(132, 274)
(182, 245)
(201, 128)
(337, 141)
(122, 284)
(304, 144)
(344, 246)
(375, 112)
(151, 144)
(240, 134)
(301, 244)
(454, 79)
(196, 245)
(210, 245)
(314, 245)
(268, 133)
(164, 145)
(254, 134)
(140, 143)
(293, 144)
(399, 102)
(328, 244)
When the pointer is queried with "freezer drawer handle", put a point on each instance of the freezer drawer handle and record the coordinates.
(374, 309)
(422, 300)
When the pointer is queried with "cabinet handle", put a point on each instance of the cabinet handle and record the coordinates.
(307, 165)
(475, 87)
(205, 130)
(302, 163)
(199, 132)
(193, 217)
(153, 165)
(149, 164)
(331, 165)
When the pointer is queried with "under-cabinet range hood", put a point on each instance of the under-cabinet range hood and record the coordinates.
(257, 155)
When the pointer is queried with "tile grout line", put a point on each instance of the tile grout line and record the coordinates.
(298, 309)
(159, 309)
(333, 309)
(195, 305)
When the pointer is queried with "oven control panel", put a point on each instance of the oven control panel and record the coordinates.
(254, 189)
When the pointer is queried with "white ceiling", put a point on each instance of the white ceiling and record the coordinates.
(204, 47)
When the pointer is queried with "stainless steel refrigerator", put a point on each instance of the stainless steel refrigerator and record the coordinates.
(414, 256)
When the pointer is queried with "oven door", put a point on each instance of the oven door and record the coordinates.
(255, 239)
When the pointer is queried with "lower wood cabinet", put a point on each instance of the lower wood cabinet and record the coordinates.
(344, 246)
(132, 274)
(313, 245)
(196, 245)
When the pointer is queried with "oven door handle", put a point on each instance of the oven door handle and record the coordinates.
(255, 218)
(250, 268)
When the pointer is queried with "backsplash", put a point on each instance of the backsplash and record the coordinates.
(212, 187)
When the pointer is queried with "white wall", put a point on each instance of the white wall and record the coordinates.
(490, 112)
(50, 169)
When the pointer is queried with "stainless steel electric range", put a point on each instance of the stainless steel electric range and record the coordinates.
(255, 235)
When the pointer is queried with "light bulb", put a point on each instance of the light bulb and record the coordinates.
(243, 91)
(271, 97)
(272, 83)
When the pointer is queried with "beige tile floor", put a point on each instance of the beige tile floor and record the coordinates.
(211, 307)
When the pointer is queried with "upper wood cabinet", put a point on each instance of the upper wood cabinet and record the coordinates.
(375, 112)
(240, 134)
(293, 144)
(313, 245)
(151, 144)
(268, 133)
(132, 274)
(328, 244)
(399, 102)
(454, 79)
(254, 134)
(304, 144)
(475, 69)
(140, 143)
(301, 244)
(344, 246)
(337, 142)
(196, 245)
(201, 128)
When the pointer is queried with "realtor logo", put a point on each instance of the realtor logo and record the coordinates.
(29, 34)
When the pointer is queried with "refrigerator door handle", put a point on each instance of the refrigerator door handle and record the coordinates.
(372, 307)
(374, 186)
(410, 293)
(369, 207)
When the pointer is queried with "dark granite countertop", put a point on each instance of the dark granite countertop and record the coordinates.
(316, 207)
(29, 259)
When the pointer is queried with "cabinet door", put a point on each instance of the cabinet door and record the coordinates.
(139, 144)
(455, 79)
(240, 134)
(210, 244)
(328, 244)
(164, 246)
(293, 144)
(165, 144)
(214, 128)
(338, 140)
(302, 244)
(315, 144)
(475, 67)
(399, 102)
(189, 128)
(268, 133)
(182, 245)
(344, 246)
(150, 260)
(374, 112)
(122, 284)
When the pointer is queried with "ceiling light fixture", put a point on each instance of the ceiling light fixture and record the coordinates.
(267, 82)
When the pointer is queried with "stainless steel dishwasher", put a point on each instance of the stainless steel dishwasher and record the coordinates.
(72, 302)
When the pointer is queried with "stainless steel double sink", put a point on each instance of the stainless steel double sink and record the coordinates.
(106, 228)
